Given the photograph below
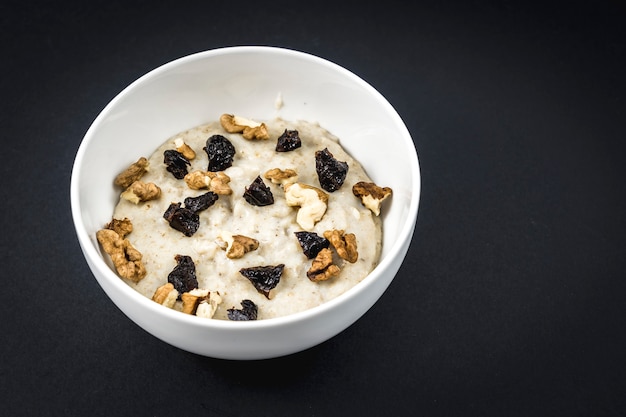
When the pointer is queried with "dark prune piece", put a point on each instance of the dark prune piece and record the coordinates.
(183, 276)
(264, 278)
(201, 202)
(258, 194)
(182, 219)
(331, 172)
(311, 243)
(176, 163)
(288, 141)
(248, 311)
(221, 153)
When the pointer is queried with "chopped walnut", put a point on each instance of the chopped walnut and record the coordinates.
(132, 173)
(371, 195)
(344, 244)
(322, 267)
(214, 181)
(312, 202)
(184, 149)
(125, 257)
(236, 246)
(139, 192)
(249, 128)
(121, 227)
(280, 177)
(200, 302)
(166, 295)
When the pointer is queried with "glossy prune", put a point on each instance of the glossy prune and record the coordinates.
(288, 141)
(331, 172)
(201, 202)
(264, 278)
(183, 276)
(182, 219)
(258, 194)
(221, 153)
(311, 243)
(248, 311)
(176, 163)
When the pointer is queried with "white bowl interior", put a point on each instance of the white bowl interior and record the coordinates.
(245, 81)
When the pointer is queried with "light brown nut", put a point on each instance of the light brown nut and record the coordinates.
(214, 181)
(371, 195)
(344, 244)
(184, 149)
(121, 227)
(249, 128)
(139, 192)
(132, 173)
(166, 295)
(125, 257)
(208, 305)
(200, 302)
(241, 245)
(322, 267)
(282, 177)
(311, 200)
(236, 246)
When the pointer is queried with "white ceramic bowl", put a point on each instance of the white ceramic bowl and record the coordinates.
(246, 80)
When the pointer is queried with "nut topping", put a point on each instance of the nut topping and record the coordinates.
(139, 192)
(344, 244)
(249, 128)
(312, 202)
(125, 258)
(322, 267)
(371, 195)
(132, 173)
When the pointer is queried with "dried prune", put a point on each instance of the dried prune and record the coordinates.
(258, 194)
(311, 243)
(248, 311)
(288, 141)
(182, 219)
(201, 202)
(176, 163)
(264, 278)
(221, 153)
(183, 276)
(331, 172)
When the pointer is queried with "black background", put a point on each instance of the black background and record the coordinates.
(511, 301)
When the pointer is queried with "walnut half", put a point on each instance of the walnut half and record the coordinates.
(344, 244)
(125, 257)
(312, 202)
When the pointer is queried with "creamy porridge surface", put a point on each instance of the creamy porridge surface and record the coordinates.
(273, 226)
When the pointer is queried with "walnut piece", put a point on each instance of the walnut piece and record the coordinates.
(121, 227)
(312, 202)
(237, 246)
(249, 128)
(200, 302)
(125, 257)
(344, 244)
(214, 181)
(184, 149)
(132, 173)
(371, 195)
(280, 177)
(139, 192)
(166, 295)
(322, 267)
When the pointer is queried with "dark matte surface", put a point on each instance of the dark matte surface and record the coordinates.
(512, 299)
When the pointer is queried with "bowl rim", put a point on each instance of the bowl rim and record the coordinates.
(91, 253)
